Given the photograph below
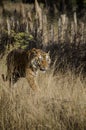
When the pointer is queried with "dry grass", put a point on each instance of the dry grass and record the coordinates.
(60, 104)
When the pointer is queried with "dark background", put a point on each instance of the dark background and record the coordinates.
(61, 5)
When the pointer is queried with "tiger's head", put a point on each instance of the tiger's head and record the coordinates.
(39, 60)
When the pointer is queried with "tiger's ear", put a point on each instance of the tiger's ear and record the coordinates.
(48, 52)
(34, 51)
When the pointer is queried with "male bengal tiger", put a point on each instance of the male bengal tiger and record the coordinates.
(21, 63)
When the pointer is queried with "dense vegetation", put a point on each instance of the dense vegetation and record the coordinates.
(58, 27)
(27, 26)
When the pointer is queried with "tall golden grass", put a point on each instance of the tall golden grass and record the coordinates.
(59, 104)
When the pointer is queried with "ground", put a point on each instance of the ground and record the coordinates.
(59, 104)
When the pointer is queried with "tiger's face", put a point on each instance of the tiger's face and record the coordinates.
(40, 60)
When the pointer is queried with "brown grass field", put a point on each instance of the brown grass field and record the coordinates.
(59, 104)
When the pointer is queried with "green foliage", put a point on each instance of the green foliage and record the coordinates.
(17, 39)
(22, 39)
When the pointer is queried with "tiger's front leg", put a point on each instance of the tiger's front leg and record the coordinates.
(30, 76)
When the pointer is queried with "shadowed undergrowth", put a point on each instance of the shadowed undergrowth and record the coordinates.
(67, 56)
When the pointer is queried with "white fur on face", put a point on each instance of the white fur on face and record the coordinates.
(48, 58)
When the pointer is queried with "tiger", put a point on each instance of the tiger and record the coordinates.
(21, 63)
